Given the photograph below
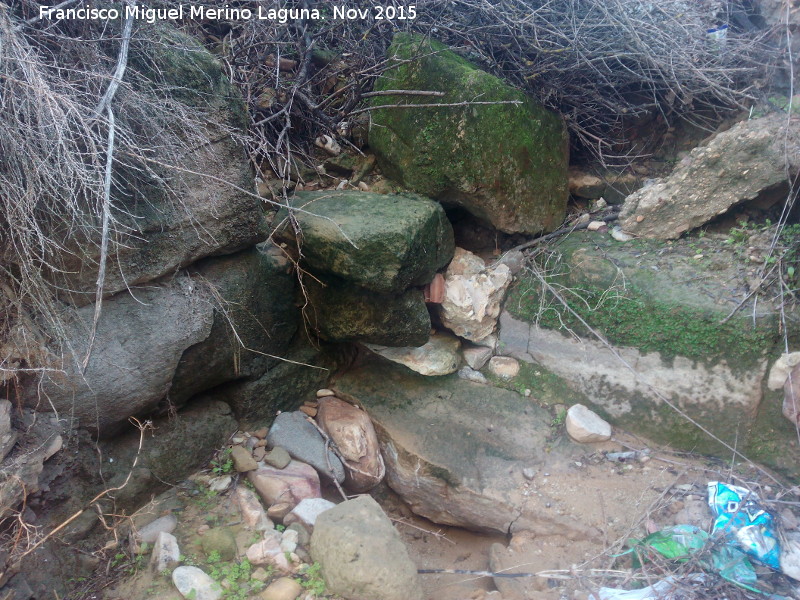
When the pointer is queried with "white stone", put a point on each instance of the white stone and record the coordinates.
(473, 294)
(220, 484)
(194, 584)
(595, 225)
(585, 426)
(790, 555)
(780, 370)
(307, 511)
(477, 356)
(324, 392)
(149, 533)
(166, 553)
(504, 367)
(328, 144)
(469, 374)
(289, 540)
(620, 235)
(439, 356)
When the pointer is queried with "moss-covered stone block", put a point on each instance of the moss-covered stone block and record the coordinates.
(504, 163)
(678, 364)
(345, 313)
(175, 63)
(383, 243)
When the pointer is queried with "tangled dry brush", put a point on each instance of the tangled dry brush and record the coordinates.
(602, 65)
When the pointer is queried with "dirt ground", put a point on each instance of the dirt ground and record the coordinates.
(622, 500)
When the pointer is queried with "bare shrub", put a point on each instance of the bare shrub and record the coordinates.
(66, 189)
(604, 66)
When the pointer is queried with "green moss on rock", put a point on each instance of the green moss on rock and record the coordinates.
(504, 163)
(175, 63)
(639, 307)
(384, 243)
(671, 321)
(345, 313)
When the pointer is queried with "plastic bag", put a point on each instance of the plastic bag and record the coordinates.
(743, 520)
(673, 543)
(669, 588)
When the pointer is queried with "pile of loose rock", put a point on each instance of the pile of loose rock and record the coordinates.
(286, 539)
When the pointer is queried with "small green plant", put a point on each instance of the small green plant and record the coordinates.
(559, 418)
(131, 564)
(189, 560)
(223, 464)
(119, 558)
(206, 499)
(234, 578)
(280, 527)
(213, 520)
(311, 579)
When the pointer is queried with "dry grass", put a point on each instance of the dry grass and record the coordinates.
(70, 193)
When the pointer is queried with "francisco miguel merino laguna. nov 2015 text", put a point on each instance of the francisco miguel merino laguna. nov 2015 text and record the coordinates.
(228, 13)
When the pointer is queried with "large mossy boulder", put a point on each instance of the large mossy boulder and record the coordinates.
(677, 352)
(504, 163)
(383, 243)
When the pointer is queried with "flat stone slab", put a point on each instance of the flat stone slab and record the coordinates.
(456, 451)
(302, 441)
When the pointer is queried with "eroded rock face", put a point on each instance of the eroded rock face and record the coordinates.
(210, 217)
(174, 338)
(670, 338)
(361, 553)
(136, 351)
(456, 451)
(737, 165)
(505, 164)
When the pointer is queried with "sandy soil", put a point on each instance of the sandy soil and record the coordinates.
(623, 500)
